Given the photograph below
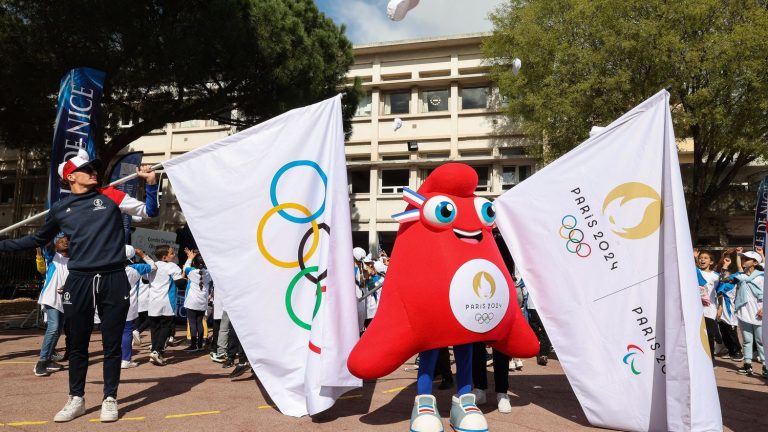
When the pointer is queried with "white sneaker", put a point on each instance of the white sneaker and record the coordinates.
(74, 408)
(503, 400)
(518, 364)
(480, 398)
(136, 338)
(156, 358)
(127, 364)
(109, 410)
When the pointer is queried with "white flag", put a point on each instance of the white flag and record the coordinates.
(602, 241)
(269, 209)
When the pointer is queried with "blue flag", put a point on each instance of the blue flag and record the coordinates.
(78, 122)
(761, 214)
(124, 167)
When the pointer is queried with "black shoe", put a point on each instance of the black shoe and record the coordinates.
(192, 346)
(745, 370)
(40, 369)
(541, 360)
(228, 363)
(240, 369)
(445, 384)
(739, 356)
(53, 367)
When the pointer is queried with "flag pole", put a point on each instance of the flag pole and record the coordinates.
(43, 213)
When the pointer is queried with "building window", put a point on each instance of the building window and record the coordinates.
(434, 100)
(359, 181)
(512, 175)
(7, 190)
(474, 98)
(34, 191)
(483, 178)
(393, 181)
(364, 106)
(397, 103)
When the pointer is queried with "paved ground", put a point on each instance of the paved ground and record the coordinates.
(192, 394)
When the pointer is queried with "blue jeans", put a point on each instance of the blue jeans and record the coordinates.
(751, 332)
(127, 340)
(52, 332)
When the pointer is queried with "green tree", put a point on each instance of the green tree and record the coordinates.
(585, 62)
(167, 61)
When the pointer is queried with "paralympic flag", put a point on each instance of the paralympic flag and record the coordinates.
(78, 122)
(621, 306)
(269, 208)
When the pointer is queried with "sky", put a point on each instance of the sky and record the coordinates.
(367, 21)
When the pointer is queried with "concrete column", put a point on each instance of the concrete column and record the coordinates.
(453, 107)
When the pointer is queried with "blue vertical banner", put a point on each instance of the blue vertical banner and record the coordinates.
(761, 214)
(124, 167)
(78, 122)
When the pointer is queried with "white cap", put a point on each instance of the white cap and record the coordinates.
(368, 259)
(358, 253)
(380, 267)
(82, 159)
(753, 255)
(130, 252)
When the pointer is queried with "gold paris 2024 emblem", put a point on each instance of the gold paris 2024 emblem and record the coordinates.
(484, 285)
(640, 199)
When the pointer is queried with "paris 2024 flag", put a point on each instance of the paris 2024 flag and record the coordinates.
(269, 209)
(602, 241)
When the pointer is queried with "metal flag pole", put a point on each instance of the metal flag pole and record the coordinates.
(43, 213)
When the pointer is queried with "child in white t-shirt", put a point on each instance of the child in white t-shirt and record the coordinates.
(162, 301)
(708, 293)
(50, 300)
(749, 306)
(196, 298)
(134, 272)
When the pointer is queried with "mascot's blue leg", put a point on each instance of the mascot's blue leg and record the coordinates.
(463, 355)
(427, 363)
(465, 415)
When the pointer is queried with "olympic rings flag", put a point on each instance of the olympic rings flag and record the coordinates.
(601, 238)
(269, 208)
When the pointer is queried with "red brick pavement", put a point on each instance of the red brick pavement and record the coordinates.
(161, 398)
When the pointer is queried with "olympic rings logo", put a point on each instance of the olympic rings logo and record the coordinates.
(575, 237)
(301, 256)
(484, 318)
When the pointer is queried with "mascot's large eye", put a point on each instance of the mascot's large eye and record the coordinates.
(486, 211)
(439, 210)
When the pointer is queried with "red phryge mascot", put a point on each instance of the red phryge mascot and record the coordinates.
(447, 285)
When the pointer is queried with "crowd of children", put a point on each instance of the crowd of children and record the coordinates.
(731, 290)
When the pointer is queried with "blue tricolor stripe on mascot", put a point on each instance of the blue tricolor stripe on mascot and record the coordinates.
(629, 329)
(761, 214)
(78, 122)
(274, 200)
(126, 166)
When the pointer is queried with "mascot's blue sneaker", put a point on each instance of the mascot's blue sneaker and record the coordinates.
(424, 417)
(466, 416)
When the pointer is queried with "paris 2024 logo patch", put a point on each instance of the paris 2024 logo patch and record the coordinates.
(479, 295)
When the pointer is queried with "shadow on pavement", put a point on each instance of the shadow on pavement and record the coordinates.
(164, 388)
(744, 409)
(351, 405)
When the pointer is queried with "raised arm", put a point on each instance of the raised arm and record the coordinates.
(44, 235)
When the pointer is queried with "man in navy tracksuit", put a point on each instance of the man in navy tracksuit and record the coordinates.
(90, 217)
